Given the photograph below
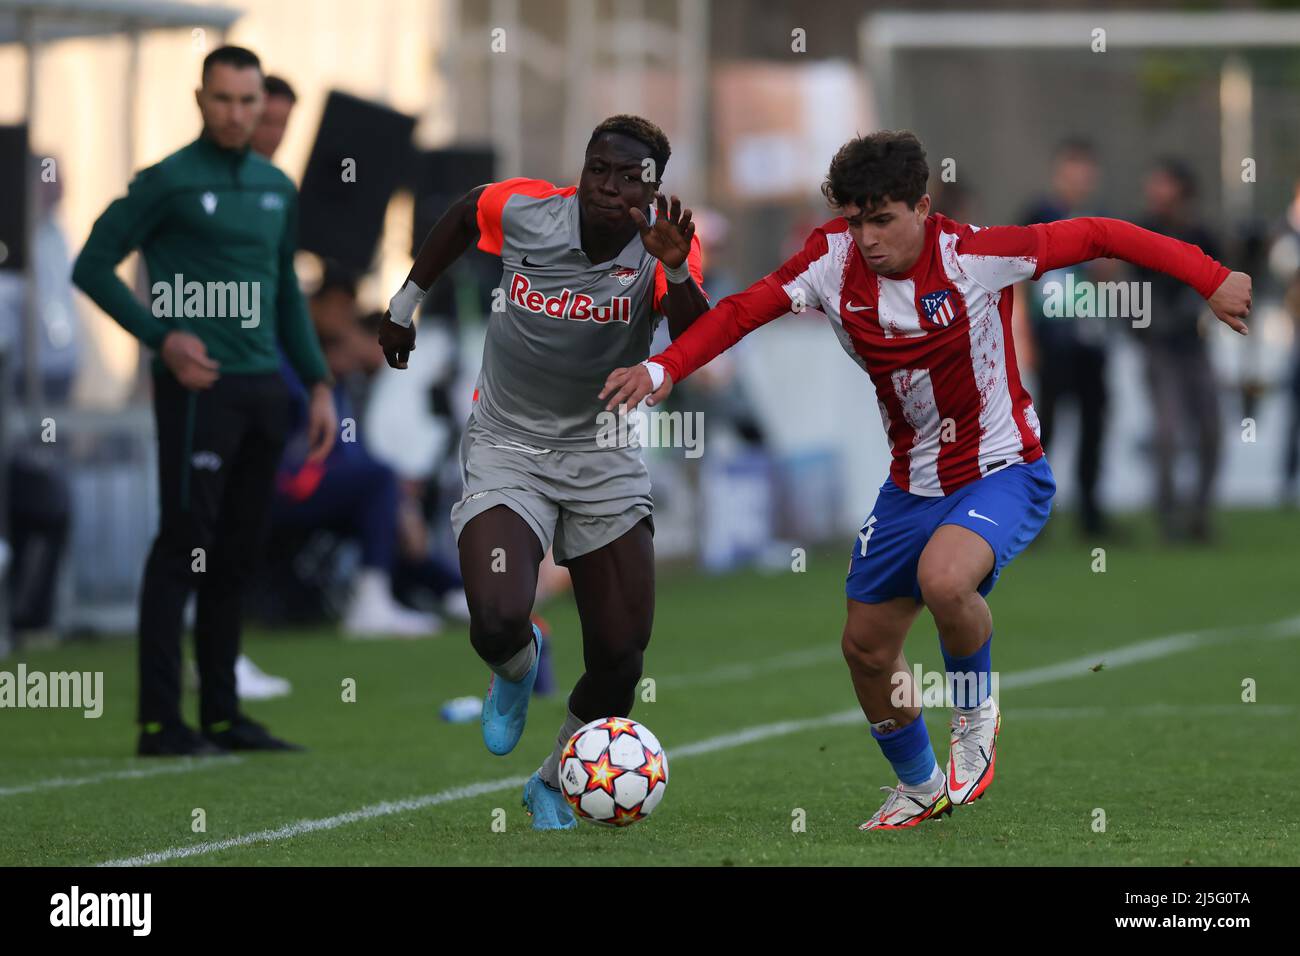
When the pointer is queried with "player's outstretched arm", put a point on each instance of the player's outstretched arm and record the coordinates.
(1076, 240)
(445, 243)
(1000, 255)
(669, 240)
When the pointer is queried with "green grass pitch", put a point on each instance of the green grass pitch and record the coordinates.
(1162, 742)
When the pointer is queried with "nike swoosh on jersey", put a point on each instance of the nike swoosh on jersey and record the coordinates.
(861, 308)
(975, 514)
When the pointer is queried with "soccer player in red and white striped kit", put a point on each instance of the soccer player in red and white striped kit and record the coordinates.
(923, 305)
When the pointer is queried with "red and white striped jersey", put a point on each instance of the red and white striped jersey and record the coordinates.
(936, 340)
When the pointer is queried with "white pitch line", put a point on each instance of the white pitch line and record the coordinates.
(55, 783)
(1118, 657)
(291, 830)
(1148, 650)
(1181, 711)
(747, 670)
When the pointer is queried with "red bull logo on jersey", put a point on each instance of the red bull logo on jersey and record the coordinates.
(568, 304)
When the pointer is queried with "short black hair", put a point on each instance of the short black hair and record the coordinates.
(869, 171)
(1180, 172)
(274, 85)
(236, 56)
(641, 130)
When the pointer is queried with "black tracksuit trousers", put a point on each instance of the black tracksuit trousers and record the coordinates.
(218, 451)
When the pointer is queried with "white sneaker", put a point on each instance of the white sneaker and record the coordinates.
(374, 612)
(395, 621)
(253, 683)
(972, 751)
(908, 805)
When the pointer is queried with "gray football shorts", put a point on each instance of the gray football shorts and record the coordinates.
(575, 501)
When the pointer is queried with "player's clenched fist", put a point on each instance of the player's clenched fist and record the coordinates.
(1231, 301)
(628, 386)
(397, 341)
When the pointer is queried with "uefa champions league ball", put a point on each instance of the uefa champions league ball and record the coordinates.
(613, 772)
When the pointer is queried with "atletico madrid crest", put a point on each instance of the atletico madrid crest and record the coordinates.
(938, 309)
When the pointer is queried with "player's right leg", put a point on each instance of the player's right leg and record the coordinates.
(499, 557)
(873, 649)
(884, 599)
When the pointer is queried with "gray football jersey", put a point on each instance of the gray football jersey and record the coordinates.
(567, 323)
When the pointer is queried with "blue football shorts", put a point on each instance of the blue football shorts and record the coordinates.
(1006, 508)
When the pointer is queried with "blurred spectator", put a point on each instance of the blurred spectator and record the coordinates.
(1071, 352)
(39, 518)
(280, 100)
(38, 498)
(58, 326)
(1184, 395)
(1284, 263)
(351, 492)
(953, 200)
(253, 683)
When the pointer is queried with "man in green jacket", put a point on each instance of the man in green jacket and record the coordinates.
(217, 225)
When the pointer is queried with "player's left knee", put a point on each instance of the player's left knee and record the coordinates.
(945, 587)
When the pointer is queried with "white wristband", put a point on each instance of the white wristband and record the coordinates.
(656, 373)
(403, 305)
(679, 274)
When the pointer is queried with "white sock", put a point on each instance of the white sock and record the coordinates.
(936, 779)
(550, 768)
(517, 668)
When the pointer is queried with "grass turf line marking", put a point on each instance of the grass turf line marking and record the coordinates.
(1131, 654)
(1182, 712)
(1153, 649)
(731, 673)
(291, 830)
(55, 783)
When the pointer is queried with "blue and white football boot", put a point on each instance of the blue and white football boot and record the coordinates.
(547, 806)
(506, 708)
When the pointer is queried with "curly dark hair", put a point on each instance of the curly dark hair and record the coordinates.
(869, 171)
(641, 130)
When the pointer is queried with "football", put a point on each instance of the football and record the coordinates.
(614, 772)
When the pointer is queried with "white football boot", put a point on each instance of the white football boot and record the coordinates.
(972, 751)
(908, 805)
